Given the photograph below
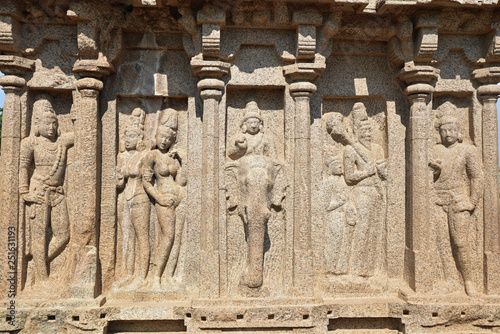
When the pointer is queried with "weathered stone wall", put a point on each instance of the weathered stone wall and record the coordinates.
(249, 166)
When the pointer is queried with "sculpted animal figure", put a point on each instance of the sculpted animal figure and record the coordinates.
(255, 191)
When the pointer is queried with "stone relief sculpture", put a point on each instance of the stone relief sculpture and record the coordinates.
(164, 181)
(458, 189)
(43, 193)
(258, 187)
(361, 229)
(134, 204)
(341, 215)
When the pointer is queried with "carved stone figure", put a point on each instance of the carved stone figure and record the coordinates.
(364, 170)
(458, 189)
(134, 204)
(43, 193)
(257, 189)
(164, 165)
(341, 215)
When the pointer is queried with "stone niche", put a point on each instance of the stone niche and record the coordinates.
(266, 166)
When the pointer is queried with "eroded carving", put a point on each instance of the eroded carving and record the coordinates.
(358, 202)
(43, 193)
(133, 204)
(164, 181)
(257, 190)
(458, 189)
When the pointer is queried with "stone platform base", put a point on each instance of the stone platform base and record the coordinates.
(368, 315)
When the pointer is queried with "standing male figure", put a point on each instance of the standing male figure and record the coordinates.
(44, 193)
(458, 189)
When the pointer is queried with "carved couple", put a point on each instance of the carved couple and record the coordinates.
(356, 207)
(143, 175)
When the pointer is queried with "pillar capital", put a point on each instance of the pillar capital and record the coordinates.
(93, 68)
(306, 71)
(419, 78)
(210, 72)
(89, 87)
(15, 65)
(209, 68)
(12, 82)
(487, 75)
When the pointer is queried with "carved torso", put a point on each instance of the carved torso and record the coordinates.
(354, 163)
(131, 164)
(165, 171)
(49, 158)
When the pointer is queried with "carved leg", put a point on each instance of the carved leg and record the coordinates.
(166, 219)
(60, 229)
(140, 214)
(443, 244)
(459, 231)
(363, 253)
(39, 229)
(127, 243)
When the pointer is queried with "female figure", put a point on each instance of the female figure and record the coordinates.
(136, 204)
(164, 164)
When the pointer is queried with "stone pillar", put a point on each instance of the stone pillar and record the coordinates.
(14, 86)
(419, 267)
(211, 87)
(84, 238)
(302, 90)
(488, 92)
(87, 134)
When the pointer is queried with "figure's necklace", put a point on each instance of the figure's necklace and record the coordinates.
(48, 146)
(57, 162)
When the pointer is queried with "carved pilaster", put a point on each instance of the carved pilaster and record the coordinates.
(419, 266)
(211, 87)
(488, 92)
(14, 86)
(301, 89)
(87, 147)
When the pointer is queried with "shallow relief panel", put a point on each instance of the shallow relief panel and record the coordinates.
(151, 183)
(256, 183)
(354, 189)
(457, 194)
(47, 220)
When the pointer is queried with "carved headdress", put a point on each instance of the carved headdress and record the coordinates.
(169, 119)
(136, 124)
(360, 117)
(447, 114)
(252, 111)
(137, 120)
(42, 108)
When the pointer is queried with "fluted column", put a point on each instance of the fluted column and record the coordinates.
(488, 92)
(419, 267)
(211, 87)
(302, 90)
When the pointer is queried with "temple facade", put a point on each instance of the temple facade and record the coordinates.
(215, 166)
